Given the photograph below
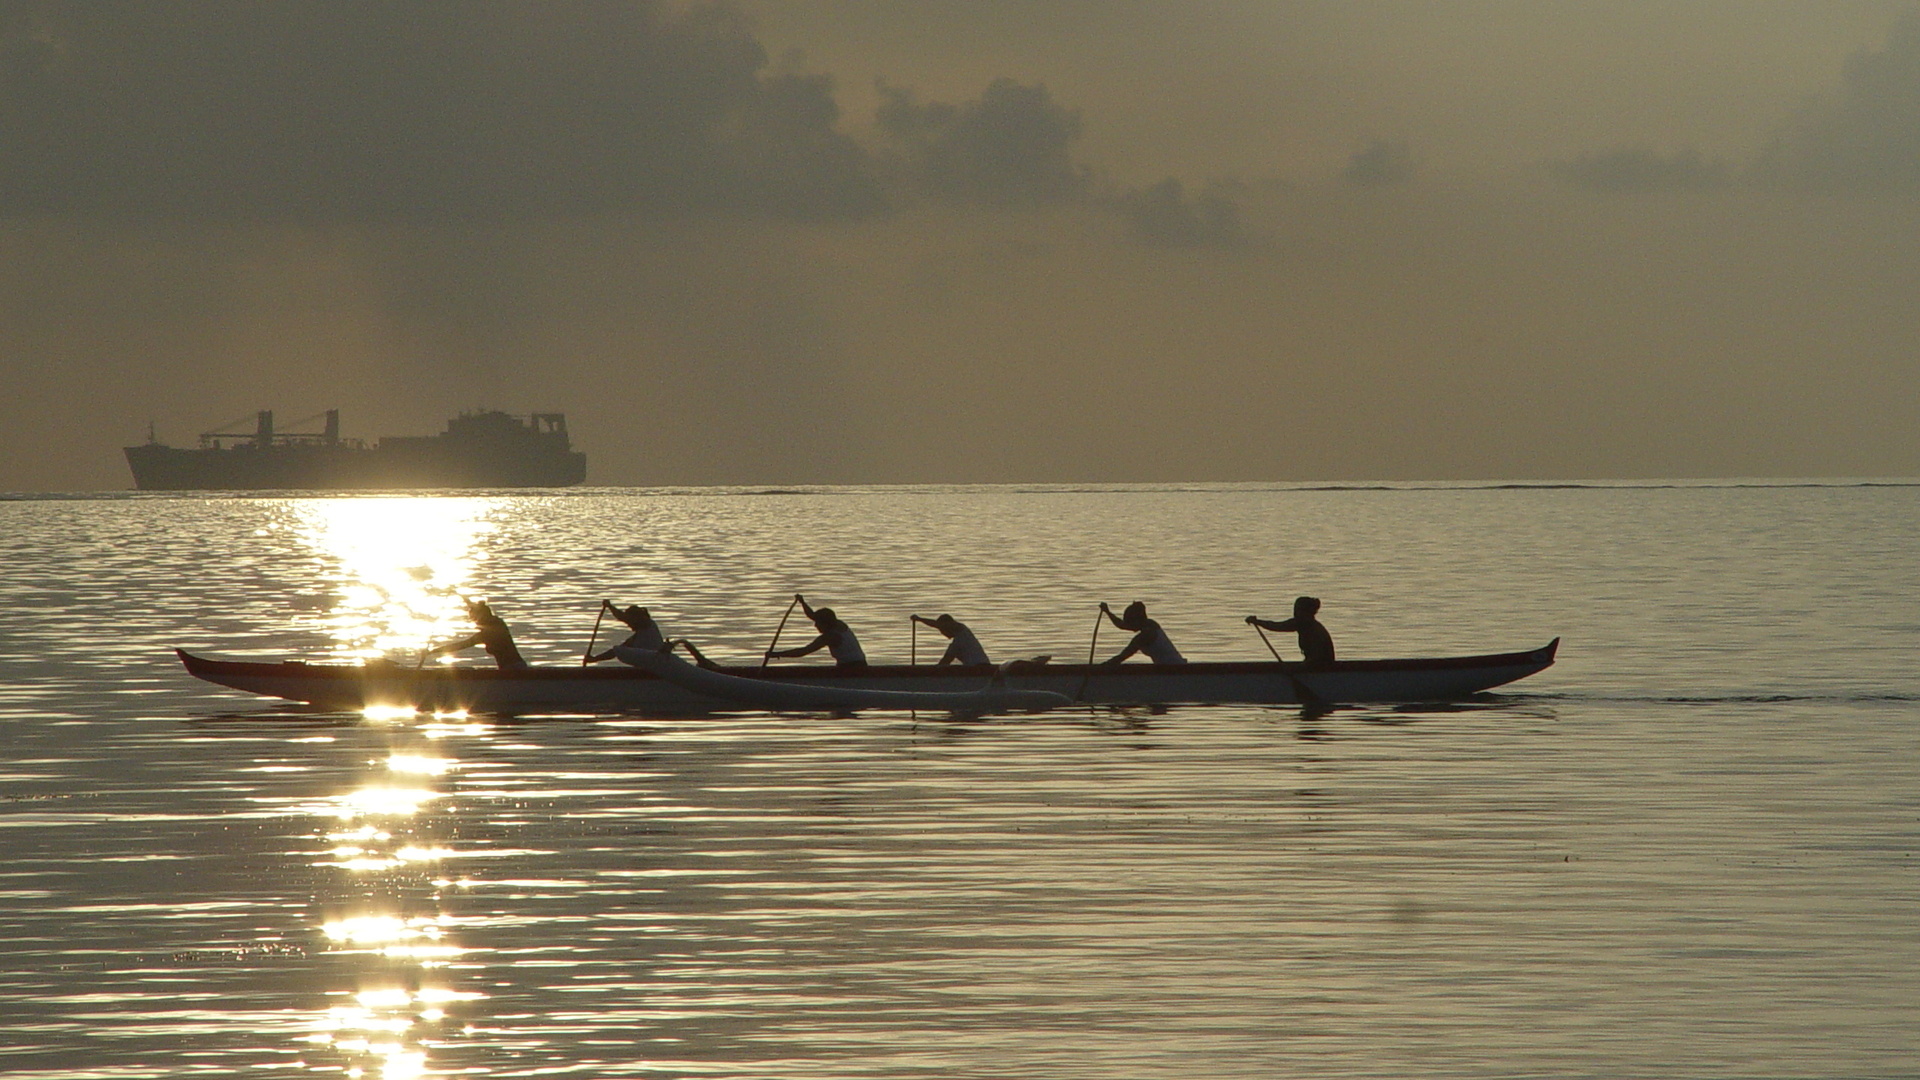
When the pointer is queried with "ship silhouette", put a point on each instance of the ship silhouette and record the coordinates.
(483, 449)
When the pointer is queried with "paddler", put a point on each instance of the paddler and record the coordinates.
(646, 633)
(491, 634)
(1315, 643)
(1148, 639)
(962, 647)
(835, 636)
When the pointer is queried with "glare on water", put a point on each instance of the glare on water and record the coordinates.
(388, 921)
(393, 571)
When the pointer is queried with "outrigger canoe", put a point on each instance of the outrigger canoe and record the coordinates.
(627, 689)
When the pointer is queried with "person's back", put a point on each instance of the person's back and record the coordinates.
(498, 641)
(1149, 639)
(841, 643)
(490, 633)
(1316, 644)
(835, 636)
(646, 633)
(966, 649)
(1153, 643)
(962, 646)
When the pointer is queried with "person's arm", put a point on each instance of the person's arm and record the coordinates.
(608, 654)
(608, 607)
(1132, 648)
(693, 651)
(467, 642)
(801, 650)
(620, 614)
(1111, 617)
(952, 655)
(1278, 626)
(923, 621)
(805, 608)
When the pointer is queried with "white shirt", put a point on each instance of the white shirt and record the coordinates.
(965, 649)
(844, 647)
(1158, 647)
(649, 638)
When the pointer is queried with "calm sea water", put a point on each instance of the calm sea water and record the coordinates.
(1689, 850)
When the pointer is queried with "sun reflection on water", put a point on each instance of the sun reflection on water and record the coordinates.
(396, 568)
(386, 1031)
(418, 763)
(390, 923)
(395, 571)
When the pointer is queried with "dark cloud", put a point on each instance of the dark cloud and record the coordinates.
(315, 109)
(1868, 137)
(1012, 146)
(1165, 216)
(1381, 163)
(1637, 170)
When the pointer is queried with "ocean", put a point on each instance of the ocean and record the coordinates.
(1686, 850)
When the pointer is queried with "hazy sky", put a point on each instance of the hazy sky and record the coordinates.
(975, 240)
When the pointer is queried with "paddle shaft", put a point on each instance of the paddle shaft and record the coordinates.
(768, 657)
(1091, 646)
(595, 638)
(913, 641)
(1300, 689)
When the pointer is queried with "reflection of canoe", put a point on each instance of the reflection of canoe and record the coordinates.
(995, 696)
(609, 689)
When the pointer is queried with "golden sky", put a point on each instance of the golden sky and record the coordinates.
(975, 240)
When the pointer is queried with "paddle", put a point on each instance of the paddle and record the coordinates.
(913, 641)
(1300, 690)
(767, 657)
(596, 632)
(1091, 646)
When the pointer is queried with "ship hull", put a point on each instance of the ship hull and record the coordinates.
(341, 468)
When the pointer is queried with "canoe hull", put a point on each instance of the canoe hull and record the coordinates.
(625, 689)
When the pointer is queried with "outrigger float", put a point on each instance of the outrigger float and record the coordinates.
(670, 689)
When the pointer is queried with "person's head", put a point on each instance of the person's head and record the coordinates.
(480, 612)
(636, 616)
(1305, 607)
(824, 617)
(947, 625)
(1135, 616)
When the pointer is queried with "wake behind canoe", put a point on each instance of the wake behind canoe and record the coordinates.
(612, 690)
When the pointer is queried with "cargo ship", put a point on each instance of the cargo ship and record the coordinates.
(484, 449)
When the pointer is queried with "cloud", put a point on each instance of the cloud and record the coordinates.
(321, 113)
(1381, 163)
(1639, 170)
(1011, 147)
(432, 109)
(1866, 139)
(1164, 216)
